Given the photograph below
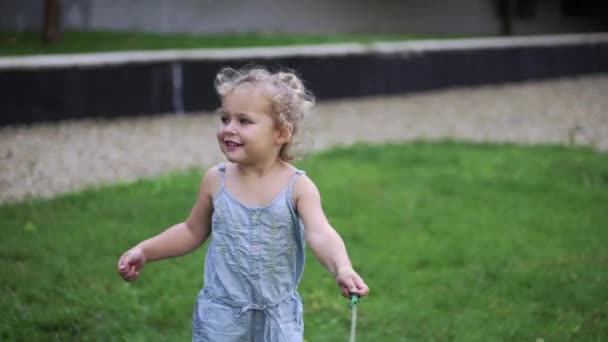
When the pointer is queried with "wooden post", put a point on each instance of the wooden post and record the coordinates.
(51, 31)
(506, 17)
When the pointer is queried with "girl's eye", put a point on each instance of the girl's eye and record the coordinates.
(224, 120)
(244, 121)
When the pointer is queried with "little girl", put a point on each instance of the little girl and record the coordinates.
(259, 211)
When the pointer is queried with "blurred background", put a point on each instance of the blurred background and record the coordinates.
(436, 17)
(460, 147)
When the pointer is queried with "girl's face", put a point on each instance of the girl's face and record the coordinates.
(247, 132)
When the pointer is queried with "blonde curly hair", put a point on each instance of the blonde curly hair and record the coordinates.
(291, 102)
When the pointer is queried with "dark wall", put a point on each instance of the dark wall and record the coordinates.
(28, 96)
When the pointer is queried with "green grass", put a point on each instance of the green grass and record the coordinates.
(458, 242)
(25, 43)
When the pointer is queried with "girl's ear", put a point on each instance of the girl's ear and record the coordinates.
(285, 134)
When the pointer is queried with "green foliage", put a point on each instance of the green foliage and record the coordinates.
(458, 242)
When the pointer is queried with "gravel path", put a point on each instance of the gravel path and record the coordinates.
(46, 159)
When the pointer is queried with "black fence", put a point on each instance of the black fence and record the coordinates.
(35, 94)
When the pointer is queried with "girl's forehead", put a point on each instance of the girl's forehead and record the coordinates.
(247, 98)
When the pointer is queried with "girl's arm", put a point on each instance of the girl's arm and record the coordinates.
(177, 240)
(324, 241)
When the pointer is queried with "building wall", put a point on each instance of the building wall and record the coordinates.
(465, 17)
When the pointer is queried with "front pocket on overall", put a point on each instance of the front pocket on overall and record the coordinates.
(213, 321)
(290, 316)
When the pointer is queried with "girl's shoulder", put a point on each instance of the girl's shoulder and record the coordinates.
(303, 186)
(210, 182)
(213, 172)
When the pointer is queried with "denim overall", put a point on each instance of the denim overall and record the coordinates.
(253, 266)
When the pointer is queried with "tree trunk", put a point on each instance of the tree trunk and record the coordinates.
(51, 31)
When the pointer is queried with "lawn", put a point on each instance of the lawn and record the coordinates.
(24, 43)
(457, 241)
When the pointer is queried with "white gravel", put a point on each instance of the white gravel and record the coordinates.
(43, 160)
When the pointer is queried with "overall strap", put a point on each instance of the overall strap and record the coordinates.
(290, 187)
(295, 176)
(222, 168)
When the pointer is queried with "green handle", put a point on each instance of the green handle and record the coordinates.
(354, 300)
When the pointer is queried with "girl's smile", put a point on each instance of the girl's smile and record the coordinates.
(231, 145)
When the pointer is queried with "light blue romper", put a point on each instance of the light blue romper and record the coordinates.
(253, 266)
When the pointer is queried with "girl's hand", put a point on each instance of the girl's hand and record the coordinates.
(351, 283)
(131, 263)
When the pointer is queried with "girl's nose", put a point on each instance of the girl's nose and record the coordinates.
(229, 128)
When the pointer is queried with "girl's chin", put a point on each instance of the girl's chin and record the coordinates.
(232, 157)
